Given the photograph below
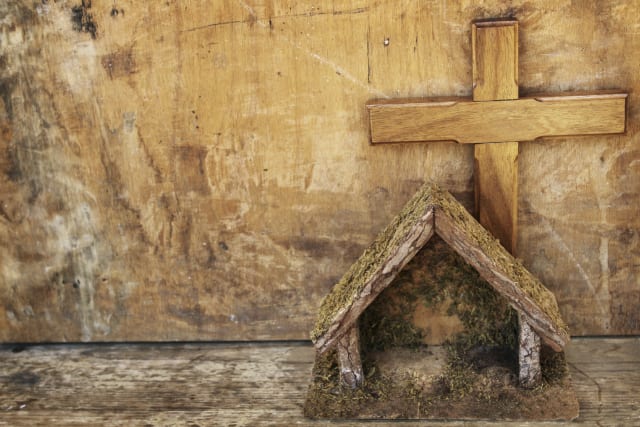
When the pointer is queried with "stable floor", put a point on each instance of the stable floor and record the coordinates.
(253, 384)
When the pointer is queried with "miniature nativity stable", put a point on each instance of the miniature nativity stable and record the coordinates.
(435, 211)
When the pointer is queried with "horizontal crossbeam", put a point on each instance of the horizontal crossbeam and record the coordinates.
(525, 119)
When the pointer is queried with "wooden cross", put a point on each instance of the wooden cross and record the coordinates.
(496, 115)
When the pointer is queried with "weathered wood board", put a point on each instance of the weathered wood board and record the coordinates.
(247, 385)
(201, 170)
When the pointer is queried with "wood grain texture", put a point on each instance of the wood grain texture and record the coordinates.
(496, 190)
(494, 48)
(245, 385)
(469, 122)
(201, 170)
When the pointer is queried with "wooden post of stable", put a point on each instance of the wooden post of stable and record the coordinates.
(530, 372)
(348, 348)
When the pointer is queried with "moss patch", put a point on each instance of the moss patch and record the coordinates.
(487, 317)
(387, 322)
(438, 277)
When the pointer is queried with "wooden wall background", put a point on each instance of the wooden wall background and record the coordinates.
(200, 170)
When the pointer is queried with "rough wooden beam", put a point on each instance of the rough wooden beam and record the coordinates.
(348, 348)
(467, 122)
(530, 372)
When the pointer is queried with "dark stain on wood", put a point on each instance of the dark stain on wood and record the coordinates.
(7, 86)
(115, 12)
(624, 165)
(21, 172)
(194, 315)
(12, 170)
(82, 19)
(29, 253)
(116, 189)
(63, 277)
(204, 256)
(120, 63)
(191, 173)
(22, 379)
(61, 291)
(318, 247)
(625, 316)
(183, 228)
(24, 15)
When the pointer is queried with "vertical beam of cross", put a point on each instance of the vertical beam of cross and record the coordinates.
(495, 78)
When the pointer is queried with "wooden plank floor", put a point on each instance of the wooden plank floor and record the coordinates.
(243, 384)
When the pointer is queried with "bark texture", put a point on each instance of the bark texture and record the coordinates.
(348, 347)
(530, 372)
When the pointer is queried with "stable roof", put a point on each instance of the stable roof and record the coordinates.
(433, 210)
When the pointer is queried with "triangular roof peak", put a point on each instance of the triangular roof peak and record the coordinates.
(433, 210)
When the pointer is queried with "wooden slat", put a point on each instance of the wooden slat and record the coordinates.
(496, 190)
(246, 384)
(495, 60)
(495, 78)
(524, 119)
